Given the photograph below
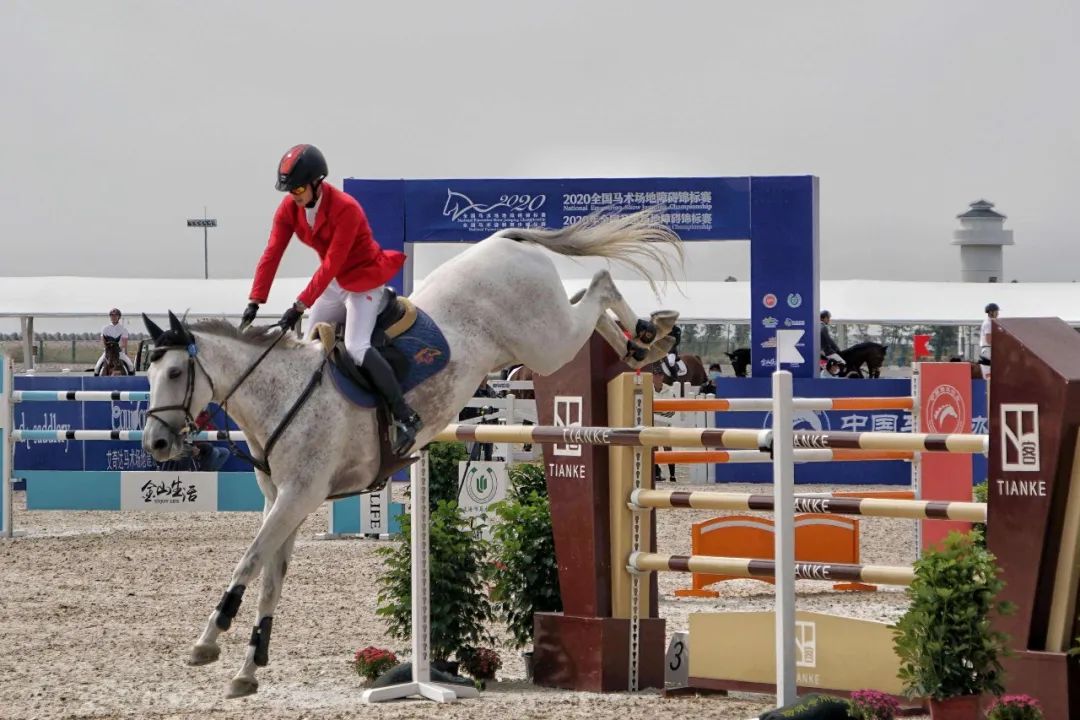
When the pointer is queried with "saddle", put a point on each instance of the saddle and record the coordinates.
(398, 317)
(415, 349)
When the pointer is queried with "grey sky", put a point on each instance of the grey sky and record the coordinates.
(121, 119)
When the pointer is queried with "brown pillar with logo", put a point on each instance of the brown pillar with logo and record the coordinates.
(1033, 523)
(584, 647)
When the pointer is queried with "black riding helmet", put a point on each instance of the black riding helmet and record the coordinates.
(992, 307)
(301, 165)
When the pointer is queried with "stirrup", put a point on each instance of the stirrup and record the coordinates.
(405, 434)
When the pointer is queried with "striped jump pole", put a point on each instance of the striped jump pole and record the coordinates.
(129, 435)
(874, 507)
(765, 404)
(732, 439)
(915, 442)
(80, 395)
(750, 568)
(619, 436)
(691, 457)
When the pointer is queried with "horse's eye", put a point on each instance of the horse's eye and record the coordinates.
(174, 373)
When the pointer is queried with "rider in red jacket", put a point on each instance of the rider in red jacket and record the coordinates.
(349, 284)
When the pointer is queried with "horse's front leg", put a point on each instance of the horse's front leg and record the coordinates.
(258, 652)
(206, 649)
(288, 512)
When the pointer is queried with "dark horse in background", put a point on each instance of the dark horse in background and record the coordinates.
(113, 364)
(868, 354)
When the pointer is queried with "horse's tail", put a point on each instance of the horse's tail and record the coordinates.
(637, 240)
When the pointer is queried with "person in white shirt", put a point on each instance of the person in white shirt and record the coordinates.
(984, 338)
(115, 331)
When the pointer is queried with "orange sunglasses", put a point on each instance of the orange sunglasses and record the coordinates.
(299, 190)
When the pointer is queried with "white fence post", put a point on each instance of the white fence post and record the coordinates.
(784, 511)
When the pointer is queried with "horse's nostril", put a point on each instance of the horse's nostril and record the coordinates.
(160, 444)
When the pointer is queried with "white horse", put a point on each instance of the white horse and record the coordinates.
(499, 302)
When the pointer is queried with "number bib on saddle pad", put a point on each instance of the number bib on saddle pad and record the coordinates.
(424, 349)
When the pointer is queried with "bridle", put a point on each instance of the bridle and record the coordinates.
(191, 426)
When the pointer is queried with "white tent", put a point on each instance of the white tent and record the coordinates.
(849, 301)
(863, 301)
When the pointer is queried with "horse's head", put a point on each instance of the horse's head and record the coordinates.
(179, 388)
(740, 361)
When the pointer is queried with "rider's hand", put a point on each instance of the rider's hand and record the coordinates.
(290, 318)
(249, 314)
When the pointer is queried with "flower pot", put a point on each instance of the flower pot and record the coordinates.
(450, 667)
(965, 707)
(527, 657)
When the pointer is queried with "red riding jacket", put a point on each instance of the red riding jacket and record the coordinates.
(343, 239)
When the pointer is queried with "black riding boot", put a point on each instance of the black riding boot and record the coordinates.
(406, 422)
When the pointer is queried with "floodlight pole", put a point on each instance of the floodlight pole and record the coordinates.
(205, 223)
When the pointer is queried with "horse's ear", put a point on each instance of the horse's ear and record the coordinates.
(152, 328)
(175, 325)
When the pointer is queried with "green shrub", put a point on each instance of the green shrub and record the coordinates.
(527, 576)
(460, 606)
(945, 642)
(444, 458)
(979, 494)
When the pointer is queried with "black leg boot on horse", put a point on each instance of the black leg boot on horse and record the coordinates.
(406, 422)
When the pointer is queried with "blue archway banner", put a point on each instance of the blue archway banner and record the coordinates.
(778, 215)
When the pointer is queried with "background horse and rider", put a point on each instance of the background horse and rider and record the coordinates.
(114, 363)
(868, 355)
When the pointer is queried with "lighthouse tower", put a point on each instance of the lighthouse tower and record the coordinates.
(981, 237)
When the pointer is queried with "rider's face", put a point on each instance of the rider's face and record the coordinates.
(114, 317)
(304, 197)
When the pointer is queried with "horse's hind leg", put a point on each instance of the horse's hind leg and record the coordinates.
(258, 651)
(594, 303)
(634, 355)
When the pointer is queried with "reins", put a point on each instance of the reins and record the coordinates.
(191, 426)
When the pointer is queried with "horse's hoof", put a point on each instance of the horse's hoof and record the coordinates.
(664, 320)
(635, 352)
(242, 687)
(645, 332)
(203, 654)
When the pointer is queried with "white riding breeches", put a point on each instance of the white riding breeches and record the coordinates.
(984, 352)
(358, 310)
(128, 363)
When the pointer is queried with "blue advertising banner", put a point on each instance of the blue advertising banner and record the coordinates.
(885, 472)
(107, 455)
(784, 272)
(470, 210)
(49, 454)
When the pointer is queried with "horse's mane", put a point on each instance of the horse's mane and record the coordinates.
(866, 344)
(259, 336)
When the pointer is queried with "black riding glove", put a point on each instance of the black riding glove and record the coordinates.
(290, 318)
(249, 314)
